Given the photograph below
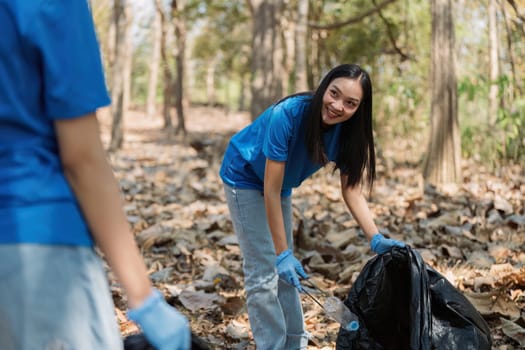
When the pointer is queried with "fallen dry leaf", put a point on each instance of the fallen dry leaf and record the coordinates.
(513, 331)
(473, 233)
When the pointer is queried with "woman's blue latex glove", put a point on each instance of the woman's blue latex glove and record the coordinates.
(288, 268)
(164, 327)
(380, 244)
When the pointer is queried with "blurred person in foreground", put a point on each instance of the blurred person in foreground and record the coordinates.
(58, 194)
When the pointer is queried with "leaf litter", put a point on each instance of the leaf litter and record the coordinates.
(472, 233)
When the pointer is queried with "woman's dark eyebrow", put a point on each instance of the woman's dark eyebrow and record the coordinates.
(355, 100)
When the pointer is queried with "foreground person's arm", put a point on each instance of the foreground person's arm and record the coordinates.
(96, 189)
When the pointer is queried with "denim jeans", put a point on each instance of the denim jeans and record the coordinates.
(55, 298)
(274, 306)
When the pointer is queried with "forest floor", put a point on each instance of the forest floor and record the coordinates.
(473, 233)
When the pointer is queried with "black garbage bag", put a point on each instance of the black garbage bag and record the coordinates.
(404, 304)
(139, 342)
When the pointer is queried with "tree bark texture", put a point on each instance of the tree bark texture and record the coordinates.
(243, 91)
(153, 79)
(288, 25)
(166, 72)
(211, 93)
(128, 61)
(514, 88)
(314, 71)
(443, 163)
(493, 64)
(301, 37)
(118, 71)
(266, 55)
(180, 37)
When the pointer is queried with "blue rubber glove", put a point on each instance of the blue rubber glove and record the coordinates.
(380, 244)
(164, 327)
(288, 268)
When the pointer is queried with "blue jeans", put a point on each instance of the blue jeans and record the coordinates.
(274, 306)
(55, 298)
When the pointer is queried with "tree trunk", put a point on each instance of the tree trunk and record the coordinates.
(443, 163)
(314, 70)
(245, 83)
(151, 103)
(514, 88)
(128, 61)
(191, 68)
(211, 94)
(493, 64)
(301, 35)
(168, 80)
(288, 26)
(110, 44)
(180, 37)
(278, 54)
(117, 90)
(266, 47)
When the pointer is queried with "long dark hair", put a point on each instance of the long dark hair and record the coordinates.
(356, 142)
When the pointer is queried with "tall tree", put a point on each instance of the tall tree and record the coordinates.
(443, 162)
(177, 11)
(301, 36)
(167, 76)
(128, 60)
(154, 66)
(288, 24)
(118, 73)
(211, 70)
(266, 63)
(514, 87)
(493, 63)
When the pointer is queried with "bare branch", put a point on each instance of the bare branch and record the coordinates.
(351, 20)
(391, 37)
(512, 3)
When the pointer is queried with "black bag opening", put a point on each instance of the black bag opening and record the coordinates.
(139, 342)
(402, 303)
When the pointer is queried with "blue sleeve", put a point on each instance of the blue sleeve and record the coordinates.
(278, 134)
(73, 77)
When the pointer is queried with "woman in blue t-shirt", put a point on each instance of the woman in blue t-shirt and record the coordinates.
(58, 195)
(286, 144)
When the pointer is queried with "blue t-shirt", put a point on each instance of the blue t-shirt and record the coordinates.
(277, 134)
(50, 68)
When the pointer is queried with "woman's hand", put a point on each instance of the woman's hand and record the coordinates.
(164, 327)
(289, 269)
(379, 244)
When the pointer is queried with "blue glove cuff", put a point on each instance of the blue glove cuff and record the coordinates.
(375, 241)
(138, 313)
(284, 254)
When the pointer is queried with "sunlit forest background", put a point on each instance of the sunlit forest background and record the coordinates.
(221, 52)
(449, 121)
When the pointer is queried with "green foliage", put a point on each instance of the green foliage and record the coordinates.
(393, 46)
(512, 125)
(473, 118)
(475, 144)
(490, 143)
(140, 76)
(222, 37)
(471, 86)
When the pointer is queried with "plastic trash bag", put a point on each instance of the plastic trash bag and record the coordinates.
(402, 303)
(139, 342)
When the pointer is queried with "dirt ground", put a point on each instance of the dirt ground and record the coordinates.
(472, 233)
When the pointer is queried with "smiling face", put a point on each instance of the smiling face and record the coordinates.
(341, 100)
